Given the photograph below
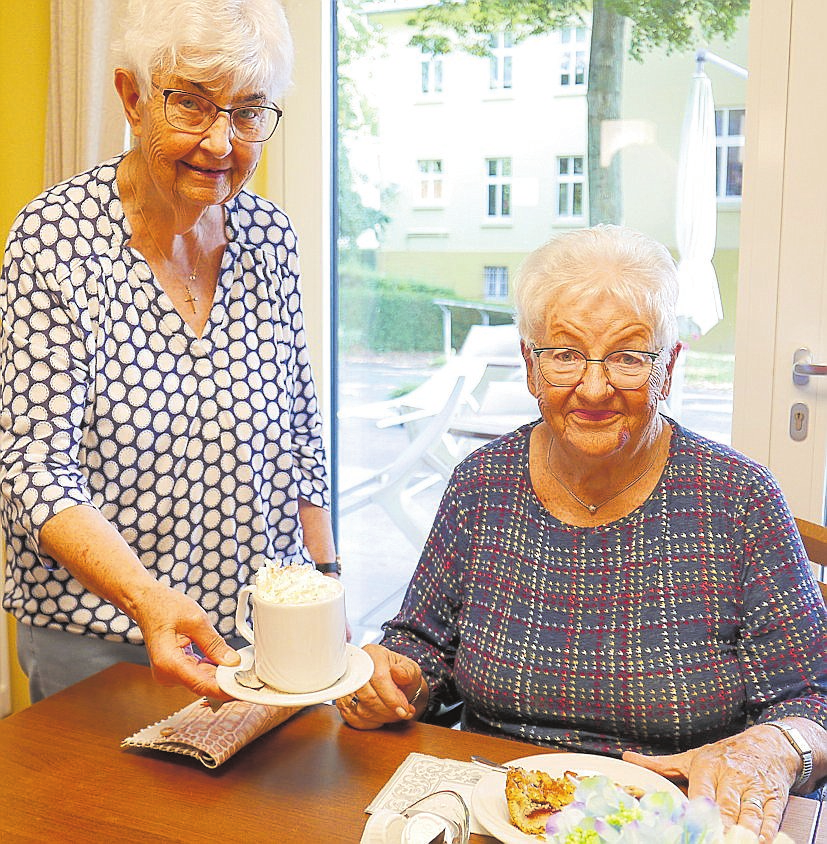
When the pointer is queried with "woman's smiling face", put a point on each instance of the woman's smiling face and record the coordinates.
(593, 417)
(208, 168)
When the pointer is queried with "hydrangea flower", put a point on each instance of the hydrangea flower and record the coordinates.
(603, 813)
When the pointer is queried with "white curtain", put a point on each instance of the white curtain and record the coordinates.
(85, 122)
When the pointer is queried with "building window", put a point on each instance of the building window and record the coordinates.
(571, 182)
(501, 44)
(499, 186)
(574, 56)
(729, 140)
(430, 180)
(496, 283)
(431, 74)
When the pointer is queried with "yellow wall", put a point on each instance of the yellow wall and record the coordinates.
(24, 70)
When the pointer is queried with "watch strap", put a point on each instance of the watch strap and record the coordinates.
(801, 747)
(330, 568)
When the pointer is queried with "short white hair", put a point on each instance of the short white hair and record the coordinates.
(245, 43)
(602, 260)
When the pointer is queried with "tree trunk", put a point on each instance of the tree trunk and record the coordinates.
(604, 97)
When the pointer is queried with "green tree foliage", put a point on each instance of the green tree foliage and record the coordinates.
(666, 24)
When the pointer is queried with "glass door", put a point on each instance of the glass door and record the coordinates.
(452, 167)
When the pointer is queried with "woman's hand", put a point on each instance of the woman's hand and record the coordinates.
(171, 624)
(748, 775)
(385, 697)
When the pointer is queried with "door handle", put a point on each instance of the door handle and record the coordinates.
(803, 368)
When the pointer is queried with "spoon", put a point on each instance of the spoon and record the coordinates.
(487, 763)
(249, 679)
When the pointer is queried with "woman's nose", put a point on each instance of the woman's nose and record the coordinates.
(218, 139)
(594, 381)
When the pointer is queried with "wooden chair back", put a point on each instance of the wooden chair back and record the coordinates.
(814, 537)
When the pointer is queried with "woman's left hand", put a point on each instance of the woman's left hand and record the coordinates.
(386, 697)
(748, 775)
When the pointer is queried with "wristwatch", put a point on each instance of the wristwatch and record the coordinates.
(330, 568)
(803, 749)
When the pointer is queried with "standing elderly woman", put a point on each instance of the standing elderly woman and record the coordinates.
(605, 580)
(159, 429)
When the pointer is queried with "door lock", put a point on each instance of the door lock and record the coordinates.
(799, 419)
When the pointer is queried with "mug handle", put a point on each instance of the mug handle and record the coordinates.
(241, 614)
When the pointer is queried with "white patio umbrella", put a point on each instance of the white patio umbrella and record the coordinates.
(699, 299)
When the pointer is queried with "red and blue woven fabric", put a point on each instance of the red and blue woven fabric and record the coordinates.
(683, 622)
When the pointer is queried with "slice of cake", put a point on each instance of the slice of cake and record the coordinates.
(533, 796)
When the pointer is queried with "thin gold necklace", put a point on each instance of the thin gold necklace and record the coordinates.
(191, 299)
(593, 508)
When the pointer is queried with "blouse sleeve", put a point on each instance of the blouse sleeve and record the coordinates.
(306, 422)
(784, 636)
(46, 359)
(425, 629)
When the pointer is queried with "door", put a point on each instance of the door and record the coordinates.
(783, 281)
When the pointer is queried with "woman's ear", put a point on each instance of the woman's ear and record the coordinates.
(530, 367)
(670, 366)
(127, 88)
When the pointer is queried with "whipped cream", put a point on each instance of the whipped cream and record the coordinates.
(294, 585)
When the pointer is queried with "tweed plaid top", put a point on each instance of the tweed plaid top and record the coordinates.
(674, 626)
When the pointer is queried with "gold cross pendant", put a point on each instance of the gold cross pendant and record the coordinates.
(190, 300)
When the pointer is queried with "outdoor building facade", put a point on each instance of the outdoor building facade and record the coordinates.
(479, 160)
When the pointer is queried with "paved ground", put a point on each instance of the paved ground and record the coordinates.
(378, 559)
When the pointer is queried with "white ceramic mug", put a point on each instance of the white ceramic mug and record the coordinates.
(299, 647)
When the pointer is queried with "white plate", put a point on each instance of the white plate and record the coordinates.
(488, 798)
(358, 672)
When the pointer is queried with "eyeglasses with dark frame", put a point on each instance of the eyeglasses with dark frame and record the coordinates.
(625, 369)
(195, 114)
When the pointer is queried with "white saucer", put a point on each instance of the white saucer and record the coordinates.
(358, 672)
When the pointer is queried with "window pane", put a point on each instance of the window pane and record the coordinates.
(563, 200)
(736, 121)
(416, 229)
(577, 202)
(735, 167)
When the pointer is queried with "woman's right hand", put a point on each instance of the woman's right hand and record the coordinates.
(171, 623)
(385, 697)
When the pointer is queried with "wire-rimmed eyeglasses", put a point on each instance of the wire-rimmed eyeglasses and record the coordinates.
(195, 114)
(625, 369)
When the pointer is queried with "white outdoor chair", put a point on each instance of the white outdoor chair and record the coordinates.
(490, 353)
(395, 486)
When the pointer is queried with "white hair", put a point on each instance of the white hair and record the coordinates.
(602, 260)
(244, 42)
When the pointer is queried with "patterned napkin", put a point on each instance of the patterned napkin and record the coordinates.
(211, 737)
(420, 775)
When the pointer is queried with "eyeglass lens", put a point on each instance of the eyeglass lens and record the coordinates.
(626, 370)
(192, 113)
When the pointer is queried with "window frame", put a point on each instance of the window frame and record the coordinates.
(429, 179)
(495, 282)
(501, 61)
(572, 59)
(502, 184)
(571, 179)
(724, 145)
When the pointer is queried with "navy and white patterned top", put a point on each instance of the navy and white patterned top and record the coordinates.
(676, 625)
(196, 450)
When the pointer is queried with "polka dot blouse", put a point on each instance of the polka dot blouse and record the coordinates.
(195, 449)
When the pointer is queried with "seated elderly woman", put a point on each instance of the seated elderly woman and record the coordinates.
(605, 580)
